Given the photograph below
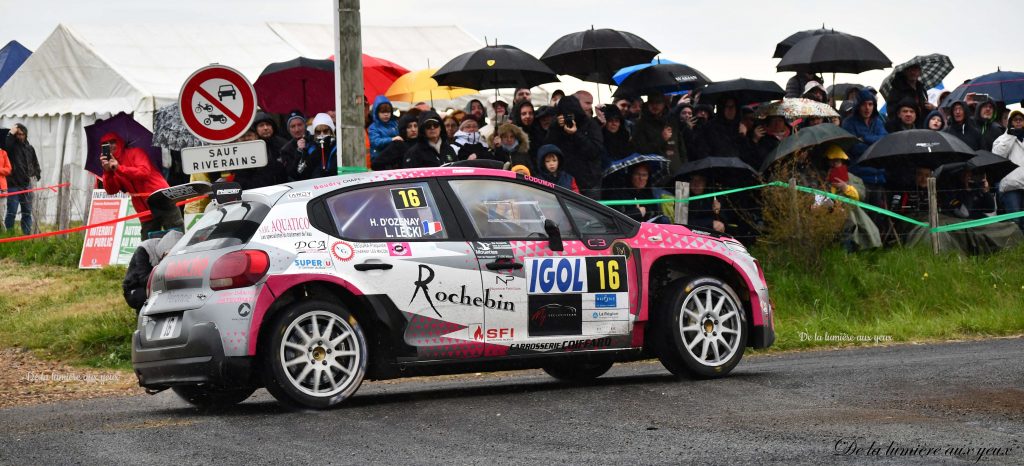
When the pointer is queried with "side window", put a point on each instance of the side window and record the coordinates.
(591, 222)
(499, 209)
(382, 213)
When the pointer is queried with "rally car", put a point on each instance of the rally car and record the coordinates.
(311, 287)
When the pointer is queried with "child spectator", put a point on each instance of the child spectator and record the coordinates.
(384, 129)
(838, 177)
(549, 167)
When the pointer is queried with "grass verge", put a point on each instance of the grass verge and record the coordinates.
(79, 316)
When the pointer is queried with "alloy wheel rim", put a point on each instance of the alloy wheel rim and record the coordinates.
(710, 325)
(320, 354)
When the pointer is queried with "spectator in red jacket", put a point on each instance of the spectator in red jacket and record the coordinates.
(129, 170)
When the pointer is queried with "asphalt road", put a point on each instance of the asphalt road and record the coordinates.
(899, 404)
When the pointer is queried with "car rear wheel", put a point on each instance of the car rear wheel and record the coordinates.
(577, 371)
(316, 357)
(208, 397)
(702, 329)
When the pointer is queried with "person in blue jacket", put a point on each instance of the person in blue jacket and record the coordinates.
(868, 126)
(384, 129)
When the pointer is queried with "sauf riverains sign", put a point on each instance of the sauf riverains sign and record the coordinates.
(218, 104)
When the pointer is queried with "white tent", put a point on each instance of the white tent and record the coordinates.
(86, 72)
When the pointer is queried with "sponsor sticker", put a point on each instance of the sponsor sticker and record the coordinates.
(576, 274)
(555, 315)
(605, 300)
(299, 195)
(399, 249)
(342, 251)
(312, 263)
(289, 227)
(310, 246)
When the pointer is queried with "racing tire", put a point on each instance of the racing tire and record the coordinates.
(212, 398)
(577, 371)
(702, 328)
(316, 355)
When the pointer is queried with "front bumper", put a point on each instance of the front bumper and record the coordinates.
(198, 360)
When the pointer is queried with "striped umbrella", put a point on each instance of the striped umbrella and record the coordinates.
(934, 68)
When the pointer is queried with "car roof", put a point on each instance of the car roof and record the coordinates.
(318, 185)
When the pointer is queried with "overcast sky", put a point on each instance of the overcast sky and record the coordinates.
(723, 39)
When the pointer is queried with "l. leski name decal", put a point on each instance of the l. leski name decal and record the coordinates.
(562, 275)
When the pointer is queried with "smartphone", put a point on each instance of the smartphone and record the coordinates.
(105, 151)
(569, 120)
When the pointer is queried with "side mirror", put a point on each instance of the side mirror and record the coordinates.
(554, 235)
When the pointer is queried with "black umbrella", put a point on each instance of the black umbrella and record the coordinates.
(782, 47)
(745, 91)
(494, 67)
(994, 167)
(596, 54)
(916, 148)
(834, 52)
(727, 171)
(838, 91)
(809, 137)
(663, 78)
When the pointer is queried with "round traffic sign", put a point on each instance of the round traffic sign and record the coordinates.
(217, 104)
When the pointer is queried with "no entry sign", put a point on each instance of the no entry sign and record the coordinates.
(217, 104)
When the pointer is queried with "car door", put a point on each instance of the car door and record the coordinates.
(539, 298)
(398, 240)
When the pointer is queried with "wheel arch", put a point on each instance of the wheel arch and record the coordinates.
(285, 290)
(671, 267)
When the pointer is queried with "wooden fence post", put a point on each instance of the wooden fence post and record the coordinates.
(682, 209)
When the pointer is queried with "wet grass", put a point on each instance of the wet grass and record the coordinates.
(897, 295)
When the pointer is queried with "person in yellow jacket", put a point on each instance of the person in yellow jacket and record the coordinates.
(838, 176)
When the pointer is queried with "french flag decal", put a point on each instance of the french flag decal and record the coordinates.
(430, 228)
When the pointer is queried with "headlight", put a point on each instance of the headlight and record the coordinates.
(736, 247)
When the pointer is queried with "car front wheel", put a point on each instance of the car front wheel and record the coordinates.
(317, 355)
(702, 330)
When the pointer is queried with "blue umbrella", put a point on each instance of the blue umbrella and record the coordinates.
(131, 132)
(656, 164)
(11, 57)
(624, 73)
(1001, 86)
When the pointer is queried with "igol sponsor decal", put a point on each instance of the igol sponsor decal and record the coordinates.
(576, 274)
(487, 301)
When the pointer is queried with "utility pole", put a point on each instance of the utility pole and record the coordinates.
(348, 82)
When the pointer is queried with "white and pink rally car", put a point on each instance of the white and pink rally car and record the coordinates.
(309, 288)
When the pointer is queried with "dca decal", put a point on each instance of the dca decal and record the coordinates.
(576, 275)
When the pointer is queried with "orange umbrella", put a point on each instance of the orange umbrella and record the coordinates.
(419, 86)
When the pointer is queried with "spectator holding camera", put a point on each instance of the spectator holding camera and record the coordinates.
(579, 138)
(129, 170)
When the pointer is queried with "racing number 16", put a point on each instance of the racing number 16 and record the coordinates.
(605, 274)
(408, 198)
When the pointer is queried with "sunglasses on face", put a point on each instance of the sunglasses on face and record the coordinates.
(431, 125)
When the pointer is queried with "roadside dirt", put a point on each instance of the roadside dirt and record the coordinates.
(26, 379)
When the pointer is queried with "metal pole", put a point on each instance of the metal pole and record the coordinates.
(933, 214)
(682, 209)
(348, 81)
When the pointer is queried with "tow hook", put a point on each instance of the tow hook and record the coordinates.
(154, 391)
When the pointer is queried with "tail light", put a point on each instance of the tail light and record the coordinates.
(238, 269)
(149, 282)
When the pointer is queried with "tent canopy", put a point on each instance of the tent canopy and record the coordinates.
(105, 68)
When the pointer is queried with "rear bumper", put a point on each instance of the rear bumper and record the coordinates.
(200, 360)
